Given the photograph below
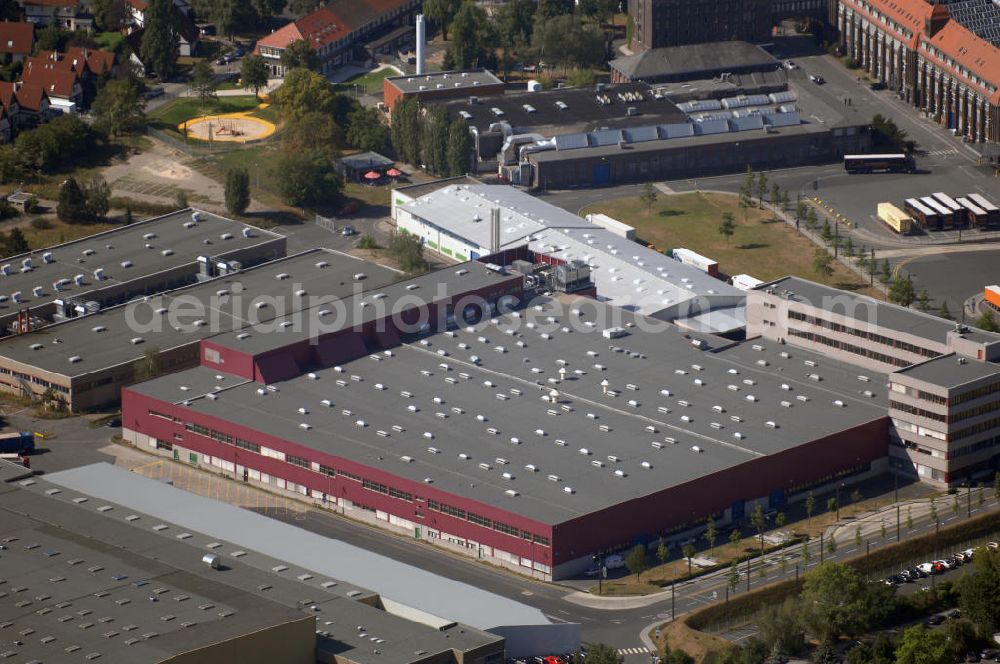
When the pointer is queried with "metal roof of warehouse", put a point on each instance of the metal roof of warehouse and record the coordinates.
(693, 59)
(268, 543)
(489, 384)
(468, 79)
(171, 244)
(105, 339)
(626, 273)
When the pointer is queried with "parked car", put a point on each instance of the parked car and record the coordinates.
(951, 562)
(113, 423)
(918, 573)
(990, 655)
(992, 546)
(907, 576)
(153, 93)
(954, 614)
(347, 230)
(939, 566)
(789, 65)
(818, 80)
(614, 561)
(934, 620)
(926, 568)
(971, 553)
(593, 571)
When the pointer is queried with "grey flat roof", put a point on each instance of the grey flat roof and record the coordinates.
(950, 372)
(527, 429)
(467, 80)
(355, 309)
(111, 248)
(270, 542)
(869, 310)
(112, 345)
(582, 112)
(693, 59)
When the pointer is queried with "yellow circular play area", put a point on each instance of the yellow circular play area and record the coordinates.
(229, 127)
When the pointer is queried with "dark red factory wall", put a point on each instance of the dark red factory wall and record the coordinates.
(230, 361)
(135, 416)
(693, 501)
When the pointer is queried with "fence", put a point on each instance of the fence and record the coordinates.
(327, 223)
(192, 147)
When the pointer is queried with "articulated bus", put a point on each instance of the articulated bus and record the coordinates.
(992, 212)
(889, 163)
(925, 216)
(943, 213)
(973, 213)
(958, 213)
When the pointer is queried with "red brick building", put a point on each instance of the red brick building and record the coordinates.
(441, 85)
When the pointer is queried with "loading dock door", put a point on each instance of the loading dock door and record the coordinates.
(602, 174)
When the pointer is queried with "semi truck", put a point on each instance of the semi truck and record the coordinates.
(17, 442)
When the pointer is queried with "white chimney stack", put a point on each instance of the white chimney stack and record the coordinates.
(421, 40)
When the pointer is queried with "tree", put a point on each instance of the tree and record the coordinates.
(366, 131)
(434, 139)
(688, 552)
(711, 534)
(662, 551)
(780, 519)
(758, 521)
(727, 228)
(303, 7)
(636, 561)
(304, 92)
(909, 519)
(886, 133)
(150, 366)
(118, 107)
(181, 199)
(849, 247)
(253, 73)
(237, 190)
(405, 130)
(775, 194)
(514, 21)
(551, 8)
(407, 250)
(601, 653)
(780, 627)
(108, 14)
(300, 55)
(944, 312)
(962, 638)
(161, 38)
(979, 593)
(901, 291)
(16, 243)
(800, 212)
(784, 200)
(442, 13)
(568, 40)
(934, 511)
(831, 544)
(305, 178)
(648, 196)
(826, 653)
(474, 39)
(987, 322)
(735, 536)
(761, 188)
(923, 301)
(811, 219)
(837, 601)
(857, 536)
(98, 195)
(882, 529)
(885, 275)
(128, 220)
(831, 504)
(920, 645)
(822, 262)
(827, 233)
(856, 496)
(810, 506)
(312, 131)
(203, 80)
(458, 154)
(806, 553)
(72, 205)
(733, 578)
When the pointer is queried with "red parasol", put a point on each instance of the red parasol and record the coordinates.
(393, 173)
(372, 175)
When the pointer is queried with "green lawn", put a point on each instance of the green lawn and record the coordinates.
(109, 41)
(762, 247)
(370, 83)
(177, 111)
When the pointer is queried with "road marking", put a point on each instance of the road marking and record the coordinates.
(633, 651)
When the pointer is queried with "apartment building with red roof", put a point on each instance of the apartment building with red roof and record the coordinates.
(932, 60)
(17, 39)
(67, 14)
(339, 32)
(24, 104)
(61, 84)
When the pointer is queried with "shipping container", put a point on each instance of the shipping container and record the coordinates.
(923, 215)
(613, 225)
(975, 215)
(17, 441)
(694, 259)
(991, 210)
(745, 282)
(992, 296)
(958, 214)
(894, 218)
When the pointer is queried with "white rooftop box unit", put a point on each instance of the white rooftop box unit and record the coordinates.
(614, 332)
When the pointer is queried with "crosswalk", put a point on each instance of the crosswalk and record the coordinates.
(643, 650)
(942, 153)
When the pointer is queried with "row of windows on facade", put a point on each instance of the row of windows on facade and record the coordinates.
(840, 345)
(371, 485)
(984, 409)
(870, 336)
(33, 379)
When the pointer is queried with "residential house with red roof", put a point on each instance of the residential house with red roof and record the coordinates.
(24, 104)
(60, 83)
(936, 63)
(342, 32)
(5, 130)
(67, 14)
(17, 39)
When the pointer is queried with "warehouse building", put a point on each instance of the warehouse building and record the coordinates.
(678, 64)
(85, 361)
(943, 378)
(441, 85)
(530, 439)
(193, 580)
(455, 221)
(83, 276)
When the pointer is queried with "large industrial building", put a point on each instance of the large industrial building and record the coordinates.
(944, 379)
(943, 58)
(103, 564)
(455, 220)
(84, 361)
(533, 438)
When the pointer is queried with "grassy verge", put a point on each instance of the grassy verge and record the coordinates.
(171, 114)
(762, 246)
(58, 232)
(369, 83)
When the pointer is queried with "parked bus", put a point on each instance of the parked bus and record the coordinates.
(958, 213)
(992, 212)
(889, 163)
(975, 215)
(943, 213)
(925, 216)
(895, 218)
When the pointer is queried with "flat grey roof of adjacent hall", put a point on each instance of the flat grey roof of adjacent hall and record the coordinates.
(869, 310)
(111, 248)
(85, 538)
(112, 344)
(693, 59)
(950, 371)
(467, 80)
(299, 549)
(526, 430)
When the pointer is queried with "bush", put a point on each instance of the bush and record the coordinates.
(408, 252)
(41, 224)
(368, 242)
